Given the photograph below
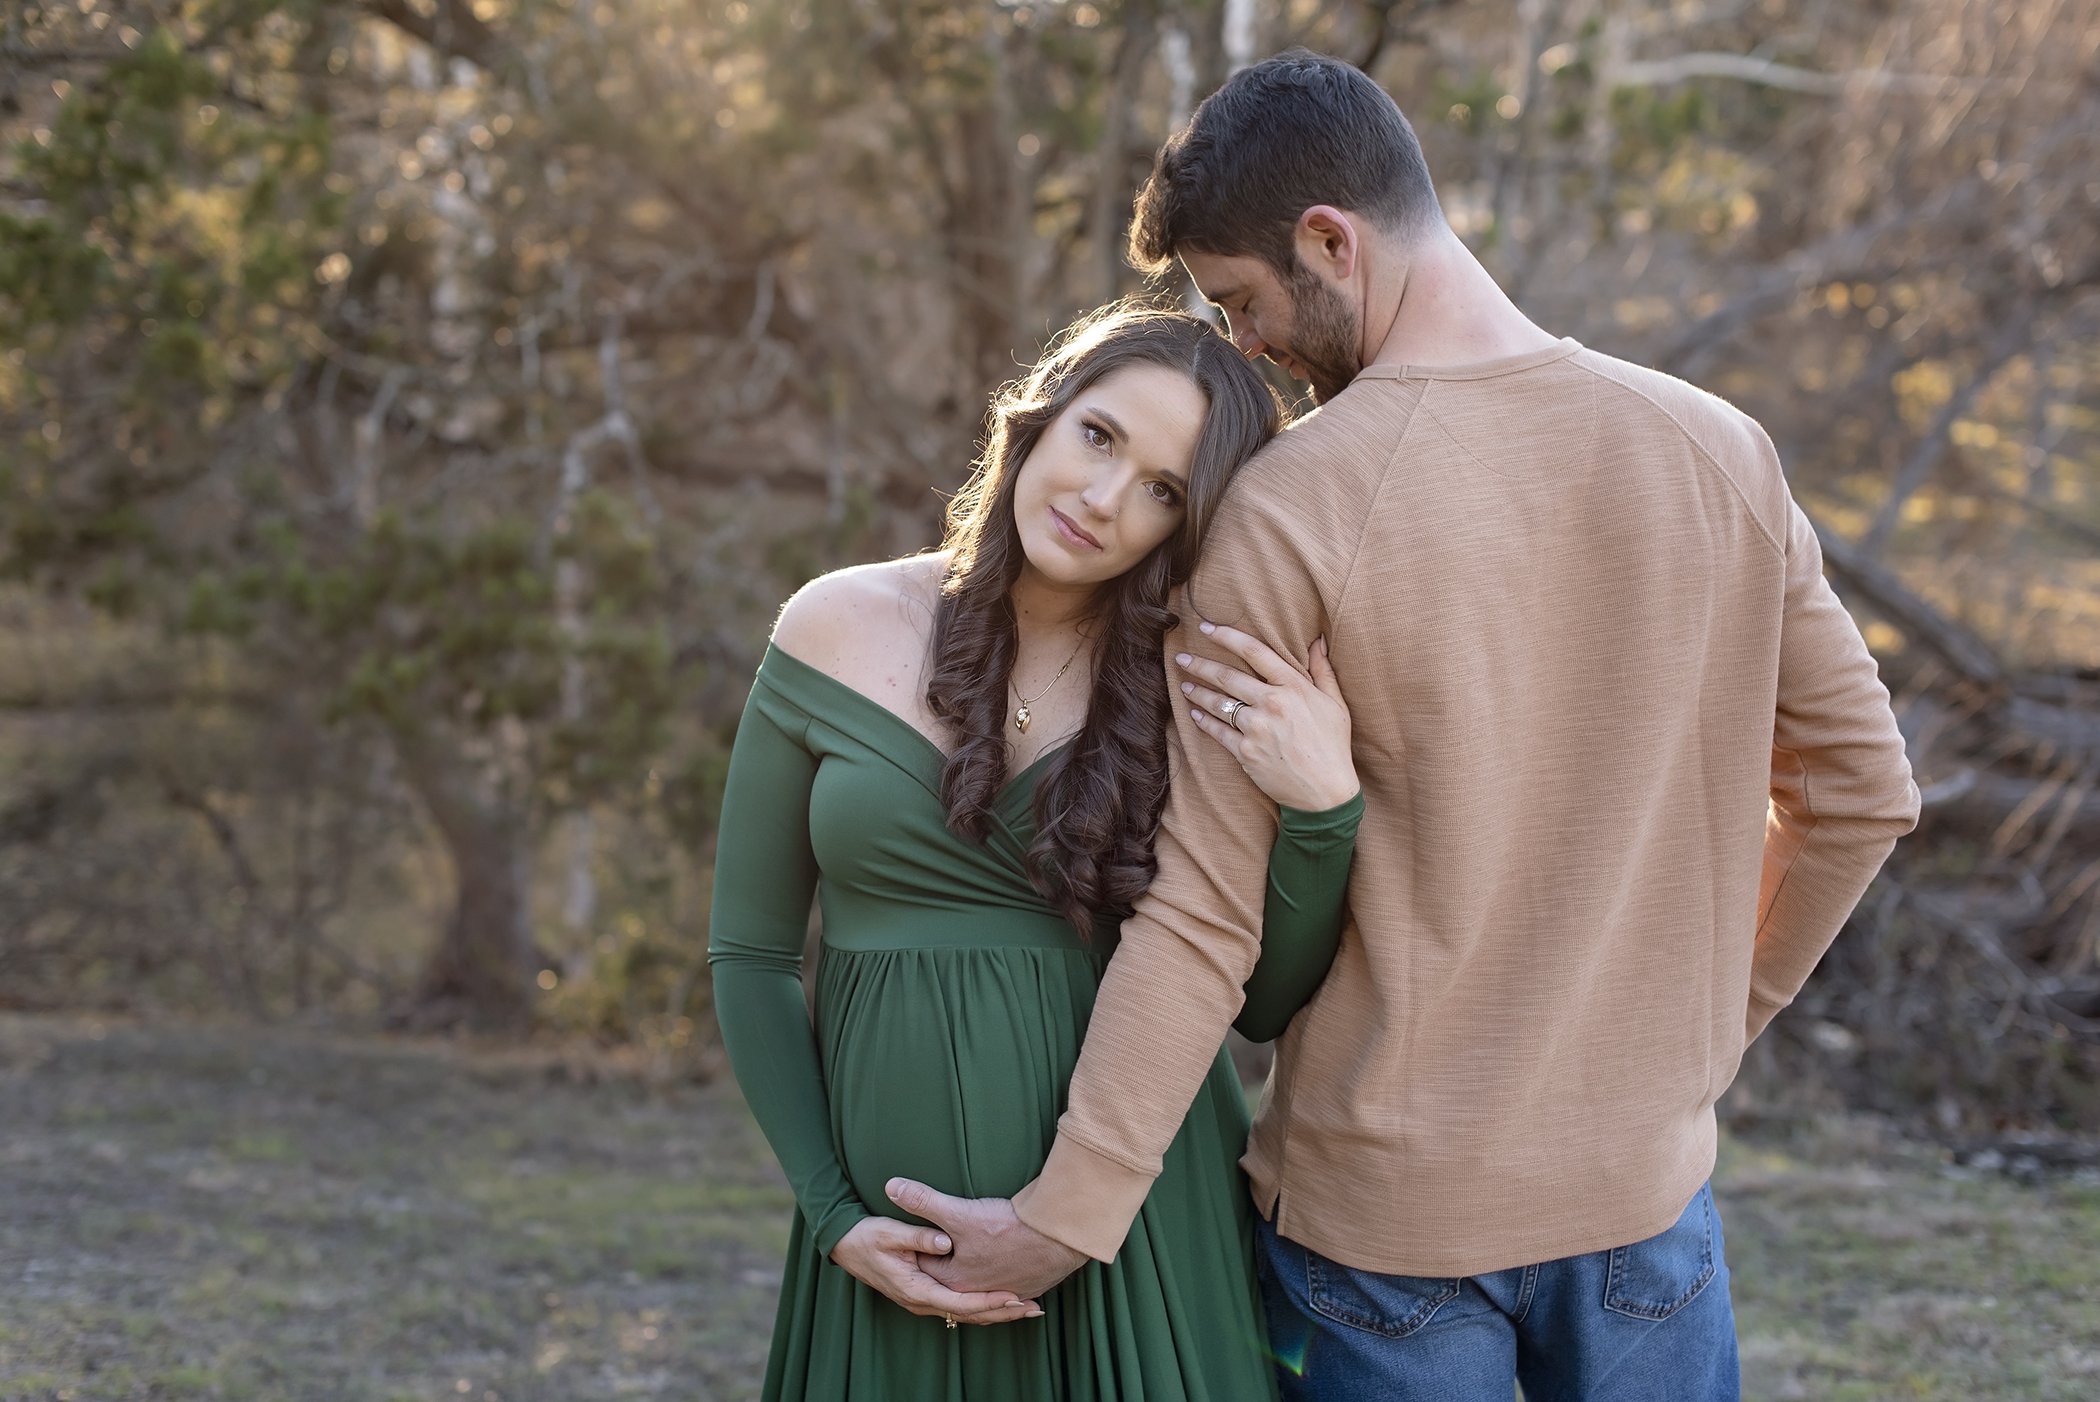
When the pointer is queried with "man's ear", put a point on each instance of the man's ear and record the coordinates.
(1328, 241)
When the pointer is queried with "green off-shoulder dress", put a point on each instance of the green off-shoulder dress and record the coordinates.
(950, 1005)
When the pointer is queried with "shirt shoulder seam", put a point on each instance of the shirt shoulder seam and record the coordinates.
(1385, 478)
(1704, 452)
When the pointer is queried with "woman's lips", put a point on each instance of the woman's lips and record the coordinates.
(1072, 533)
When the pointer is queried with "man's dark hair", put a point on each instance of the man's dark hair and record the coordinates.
(1297, 130)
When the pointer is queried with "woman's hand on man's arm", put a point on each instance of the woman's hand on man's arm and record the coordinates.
(1290, 728)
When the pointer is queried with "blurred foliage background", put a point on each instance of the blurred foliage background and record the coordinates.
(412, 412)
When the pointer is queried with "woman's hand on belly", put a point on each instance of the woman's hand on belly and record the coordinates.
(884, 1255)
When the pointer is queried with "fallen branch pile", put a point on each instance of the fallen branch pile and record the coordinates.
(1967, 988)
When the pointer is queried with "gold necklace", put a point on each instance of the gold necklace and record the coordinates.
(1021, 712)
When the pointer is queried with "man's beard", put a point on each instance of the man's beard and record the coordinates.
(1324, 335)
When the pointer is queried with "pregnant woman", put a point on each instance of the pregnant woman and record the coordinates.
(962, 755)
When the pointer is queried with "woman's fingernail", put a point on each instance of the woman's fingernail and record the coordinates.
(1187, 688)
(941, 1243)
(1208, 627)
(1183, 658)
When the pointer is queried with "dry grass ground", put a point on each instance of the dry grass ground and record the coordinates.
(222, 1213)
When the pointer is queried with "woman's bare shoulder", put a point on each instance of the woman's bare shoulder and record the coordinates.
(837, 621)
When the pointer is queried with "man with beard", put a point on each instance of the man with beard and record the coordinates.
(1627, 767)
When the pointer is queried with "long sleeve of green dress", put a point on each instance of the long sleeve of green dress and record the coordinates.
(1301, 922)
(765, 877)
(766, 874)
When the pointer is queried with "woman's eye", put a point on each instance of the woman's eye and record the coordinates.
(1096, 436)
(1164, 494)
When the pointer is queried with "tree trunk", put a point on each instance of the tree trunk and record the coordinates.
(986, 237)
(480, 973)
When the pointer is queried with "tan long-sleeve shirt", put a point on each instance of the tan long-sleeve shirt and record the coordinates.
(1627, 767)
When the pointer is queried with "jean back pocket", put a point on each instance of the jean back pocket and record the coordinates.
(1653, 1279)
(1390, 1305)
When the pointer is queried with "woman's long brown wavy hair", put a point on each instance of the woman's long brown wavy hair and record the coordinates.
(1098, 803)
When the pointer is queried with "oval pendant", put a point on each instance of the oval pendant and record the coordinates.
(1021, 720)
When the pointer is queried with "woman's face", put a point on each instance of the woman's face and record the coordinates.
(1108, 479)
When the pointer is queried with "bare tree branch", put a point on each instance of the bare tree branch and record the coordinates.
(1971, 658)
(2012, 339)
(1772, 74)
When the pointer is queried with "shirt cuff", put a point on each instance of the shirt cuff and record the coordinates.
(1083, 1200)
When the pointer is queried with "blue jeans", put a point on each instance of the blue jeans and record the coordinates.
(1649, 1322)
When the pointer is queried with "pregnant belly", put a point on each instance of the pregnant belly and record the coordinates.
(950, 1065)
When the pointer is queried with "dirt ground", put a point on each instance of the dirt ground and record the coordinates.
(232, 1213)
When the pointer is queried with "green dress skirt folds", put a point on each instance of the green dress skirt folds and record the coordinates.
(951, 1001)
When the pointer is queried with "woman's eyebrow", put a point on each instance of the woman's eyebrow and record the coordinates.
(1122, 435)
(1114, 424)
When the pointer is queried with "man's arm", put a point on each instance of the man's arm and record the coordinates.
(1274, 564)
(1841, 786)
(1177, 979)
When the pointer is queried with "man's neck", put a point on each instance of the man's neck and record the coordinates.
(1449, 311)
